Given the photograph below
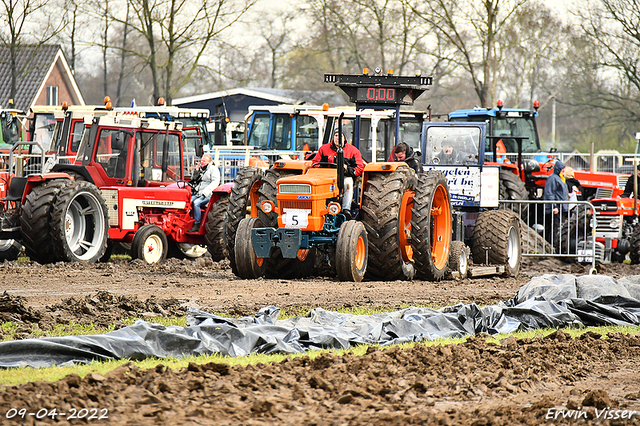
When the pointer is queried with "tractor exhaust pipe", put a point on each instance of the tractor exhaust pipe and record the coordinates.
(340, 160)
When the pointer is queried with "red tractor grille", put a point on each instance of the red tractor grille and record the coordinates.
(287, 204)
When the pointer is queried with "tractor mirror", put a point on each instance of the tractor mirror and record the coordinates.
(117, 141)
(199, 149)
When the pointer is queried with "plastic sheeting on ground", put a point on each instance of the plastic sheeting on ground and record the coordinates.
(548, 301)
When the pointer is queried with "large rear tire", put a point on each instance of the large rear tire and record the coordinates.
(514, 189)
(386, 215)
(351, 251)
(79, 223)
(247, 264)
(496, 237)
(431, 226)
(573, 228)
(214, 228)
(239, 208)
(634, 253)
(150, 244)
(35, 221)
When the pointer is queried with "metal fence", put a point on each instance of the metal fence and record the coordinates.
(603, 161)
(568, 235)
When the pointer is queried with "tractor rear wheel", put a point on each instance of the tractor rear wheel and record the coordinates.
(634, 253)
(150, 244)
(351, 251)
(459, 258)
(79, 223)
(514, 189)
(386, 215)
(247, 264)
(35, 221)
(496, 238)
(431, 226)
(214, 228)
(574, 226)
(239, 207)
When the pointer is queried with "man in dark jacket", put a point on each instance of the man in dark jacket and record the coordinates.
(555, 189)
(403, 152)
(628, 188)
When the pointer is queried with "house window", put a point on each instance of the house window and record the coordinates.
(52, 95)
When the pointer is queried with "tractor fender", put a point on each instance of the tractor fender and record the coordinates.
(74, 168)
(37, 180)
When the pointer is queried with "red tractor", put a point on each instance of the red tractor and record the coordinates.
(127, 186)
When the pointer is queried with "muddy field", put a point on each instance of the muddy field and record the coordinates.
(517, 382)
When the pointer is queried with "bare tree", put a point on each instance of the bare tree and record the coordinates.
(471, 30)
(25, 22)
(177, 34)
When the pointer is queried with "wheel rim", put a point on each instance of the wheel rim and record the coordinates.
(512, 247)
(152, 249)
(404, 227)
(463, 263)
(440, 227)
(360, 253)
(6, 245)
(85, 226)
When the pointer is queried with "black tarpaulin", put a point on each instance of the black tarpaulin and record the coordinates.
(549, 301)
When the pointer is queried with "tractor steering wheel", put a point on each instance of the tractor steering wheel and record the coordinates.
(325, 164)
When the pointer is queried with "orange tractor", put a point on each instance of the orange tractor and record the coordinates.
(298, 228)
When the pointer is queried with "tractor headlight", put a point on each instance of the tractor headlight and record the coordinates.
(267, 206)
(615, 222)
(334, 208)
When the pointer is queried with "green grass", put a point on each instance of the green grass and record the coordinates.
(17, 376)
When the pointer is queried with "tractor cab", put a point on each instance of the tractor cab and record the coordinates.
(131, 151)
(11, 127)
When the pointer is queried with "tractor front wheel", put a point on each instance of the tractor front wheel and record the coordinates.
(496, 238)
(9, 250)
(150, 244)
(459, 258)
(352, 251)
(247, 264)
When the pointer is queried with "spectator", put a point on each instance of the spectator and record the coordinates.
(403, 152)
(628, 188)
(555, 189)
(206, 178)
(353, 164)
(574, 187)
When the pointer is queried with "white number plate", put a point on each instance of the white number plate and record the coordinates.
(296, 218)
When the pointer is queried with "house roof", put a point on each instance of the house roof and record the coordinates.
(34, 64)
(282, 96)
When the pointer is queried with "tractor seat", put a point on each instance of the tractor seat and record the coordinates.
(16, 189)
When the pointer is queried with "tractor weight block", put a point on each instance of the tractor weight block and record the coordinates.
(290, 242)
(262, 241)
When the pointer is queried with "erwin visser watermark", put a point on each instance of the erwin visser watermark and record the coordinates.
(602, 414)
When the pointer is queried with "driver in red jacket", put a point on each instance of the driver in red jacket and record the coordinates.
(353, 163)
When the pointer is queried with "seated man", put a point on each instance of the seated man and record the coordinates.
(205, 179)
(353, 164)
(403, 152)
(448, 155)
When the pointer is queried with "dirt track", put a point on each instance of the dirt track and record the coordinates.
(515, 383)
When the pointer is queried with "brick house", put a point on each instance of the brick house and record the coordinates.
(45, 77)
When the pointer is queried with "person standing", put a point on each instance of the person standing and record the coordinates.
(555, 189)
(206, 178)
(353, 163)
(403, 152)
